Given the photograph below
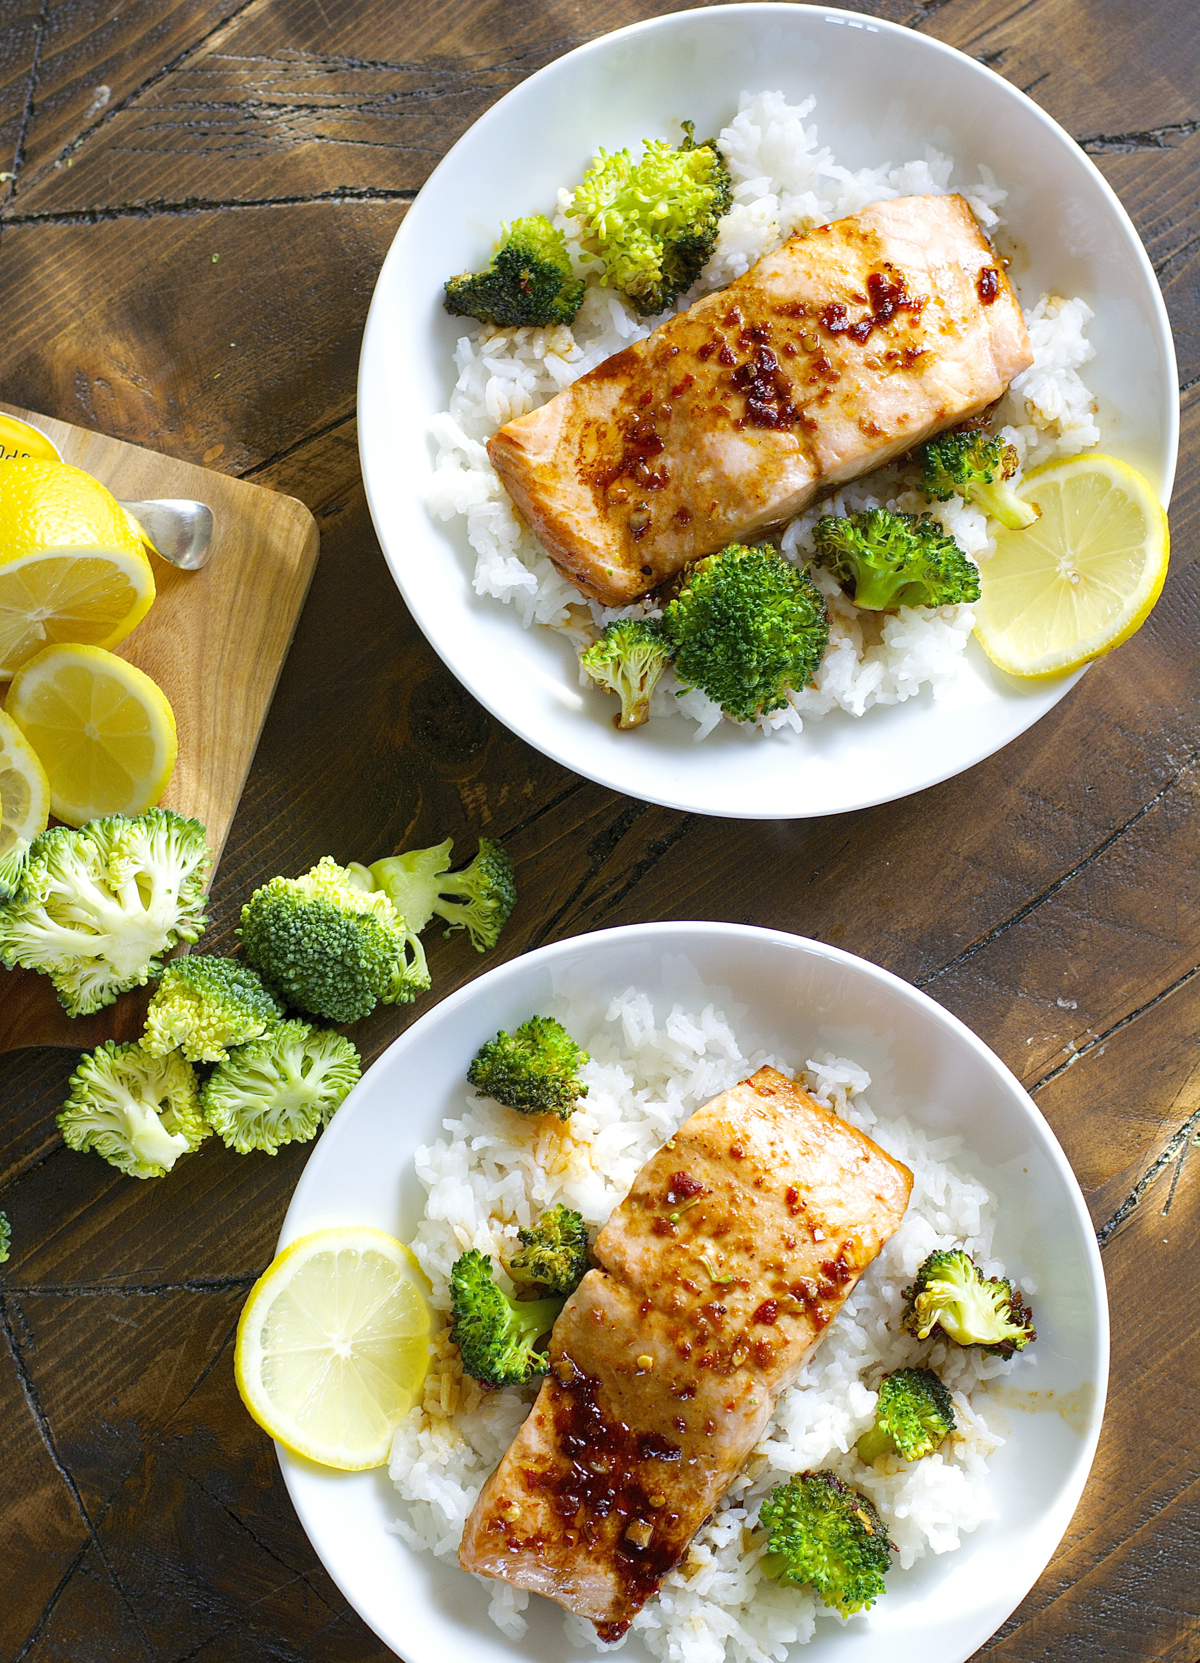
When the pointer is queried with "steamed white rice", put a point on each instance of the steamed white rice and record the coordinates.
(784, 182)
(495, 1170)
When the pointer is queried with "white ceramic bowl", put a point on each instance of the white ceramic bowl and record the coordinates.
(799, 995)
(883, 93)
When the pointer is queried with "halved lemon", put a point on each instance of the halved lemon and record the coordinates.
(101, 728)
(332, 1345)
(24, 798)
(1083, 578)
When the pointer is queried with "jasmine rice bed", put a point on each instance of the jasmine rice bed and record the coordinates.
(784, 182)
(496, 1170)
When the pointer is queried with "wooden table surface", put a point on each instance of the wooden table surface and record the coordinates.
(196, 198)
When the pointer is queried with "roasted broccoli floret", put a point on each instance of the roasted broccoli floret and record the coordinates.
(976, 466)
(553, 1255)
(98, 907)
(529, 280)
(203, 1005)
(280, 1088)
(951, 1299)
(327, 946)
(826, 1536)
(534, 1070)
(478, 898)
(5, 1238)
(913, 1413)
(654, 222)
(891, 560)
(137, 1111)
(747, 626)
(496, 1335)
(628, 659)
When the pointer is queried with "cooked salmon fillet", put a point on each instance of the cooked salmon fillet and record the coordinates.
(832, 355)
(718, 1275)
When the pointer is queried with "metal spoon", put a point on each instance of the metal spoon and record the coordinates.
(176, 528)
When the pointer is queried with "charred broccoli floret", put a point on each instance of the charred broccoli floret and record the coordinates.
(280, 1088)
(890, 560)
(951, 1299)
(529, 280)
(496, 1335)
(327, 946)
(553, 1255)
(203, 1005)
(477, 898)
(139, 1112)
(913, 1414)
(534, 1070)
(99, 906)
(654, 222)
(747, 627)
(826, 1536)
(975, 465)
(628, 659)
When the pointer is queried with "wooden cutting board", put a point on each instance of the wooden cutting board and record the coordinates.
(214, 641)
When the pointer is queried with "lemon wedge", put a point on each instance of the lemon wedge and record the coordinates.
(72, 565)
(332, 1346)
(1083, 578)
(103, 731)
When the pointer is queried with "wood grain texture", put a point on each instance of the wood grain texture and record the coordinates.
(1048, 896)
(214, 641)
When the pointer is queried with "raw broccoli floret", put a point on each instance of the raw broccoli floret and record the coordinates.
(12, 867)
(280, 1088)
(747, 626)
(628, 659)
(891, 560)
(327, 946)
(5, 1238)
(137, 1111)
(553, 1255)
(495, 1334)
(951, 1299)
(98, 907)
(478, 898)
(826, 1536)
(203, 1005)
(913, 1413)
(654, 223)
(534, 1070)
(976, 466)
(529, 280)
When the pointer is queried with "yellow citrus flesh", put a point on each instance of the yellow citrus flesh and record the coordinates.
(24, 788)
(333, 1345)
(19, 440)
(1083, 577)
(104, 732)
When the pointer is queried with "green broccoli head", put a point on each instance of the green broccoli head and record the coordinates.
(654, 223)
(826, 1536)
(203, 1005)
(553, 1255)
(534, 1070)
(891, 560)
(913, 1414)
(5, 1238)
(325, 945)
(747, 627)
(628, 659)
(420, 886)
(280, 1088)
(99, 906)
(529, 280)
(951, 1299)
(139, 1112)
(496, 1335)
(975, 465)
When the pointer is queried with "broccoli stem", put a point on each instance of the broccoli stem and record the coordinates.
(878, 1441)
(1000, 501)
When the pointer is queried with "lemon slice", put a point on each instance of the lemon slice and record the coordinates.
(103, 731)
(24, 802)
(332, 1346)
(1083, 578)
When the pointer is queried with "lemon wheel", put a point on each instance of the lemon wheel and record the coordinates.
(332, 1346)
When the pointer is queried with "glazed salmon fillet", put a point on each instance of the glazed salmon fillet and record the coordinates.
(719, 1274)
(839, 351)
